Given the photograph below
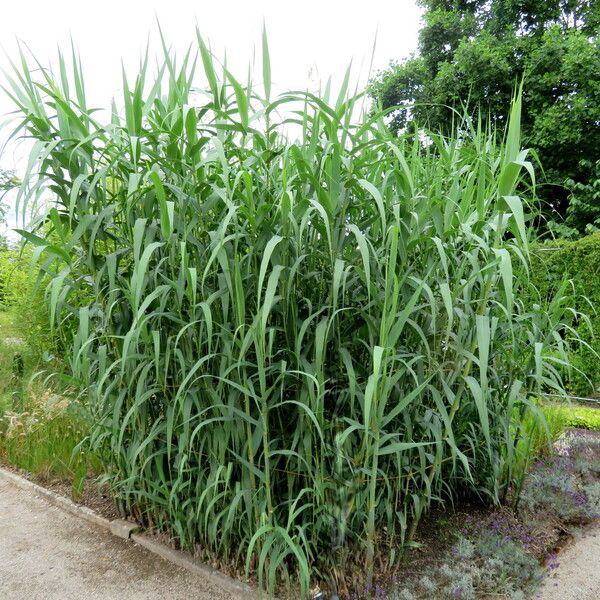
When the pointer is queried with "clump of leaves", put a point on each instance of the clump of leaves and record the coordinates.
(557, 490)
(288, 345)
(592, 491)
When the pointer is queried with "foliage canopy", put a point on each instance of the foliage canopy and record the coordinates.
(475, 52)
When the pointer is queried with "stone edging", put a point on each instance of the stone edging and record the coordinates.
(187, 562)
(83, 512)
(127, 530)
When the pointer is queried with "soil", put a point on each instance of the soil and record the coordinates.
(436, 534)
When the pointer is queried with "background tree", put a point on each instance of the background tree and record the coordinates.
(8, 181)
(473, 52)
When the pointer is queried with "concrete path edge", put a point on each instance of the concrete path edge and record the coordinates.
(176, 557)
(83, 512)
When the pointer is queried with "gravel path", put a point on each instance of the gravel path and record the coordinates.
(578, 574)
(48, 554)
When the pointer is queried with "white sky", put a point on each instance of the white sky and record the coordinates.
(309, 40)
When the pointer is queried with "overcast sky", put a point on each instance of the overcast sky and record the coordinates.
(308, 40)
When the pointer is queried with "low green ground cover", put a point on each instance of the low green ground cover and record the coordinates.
(573, 415)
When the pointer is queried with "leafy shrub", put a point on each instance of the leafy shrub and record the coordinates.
(41, 426)
(584, 204)
(14, 283)
(22, 302)
(25, 338)
(579, 262)
(291, 348)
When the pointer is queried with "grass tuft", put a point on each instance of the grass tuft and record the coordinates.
(290, 346)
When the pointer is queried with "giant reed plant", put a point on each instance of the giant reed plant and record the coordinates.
(295, 330)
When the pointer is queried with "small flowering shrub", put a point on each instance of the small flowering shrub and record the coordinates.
(557, 491)
(592, 491)
(565, 486)
(584, 451)
(501, 554)
(484, 561)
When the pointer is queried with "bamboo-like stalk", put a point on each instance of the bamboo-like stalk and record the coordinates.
(283, 339)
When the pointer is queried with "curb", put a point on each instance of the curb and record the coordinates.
(187, 562)
(83, 512)
(128, 531)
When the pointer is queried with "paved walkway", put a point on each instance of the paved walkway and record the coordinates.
(48, 554)
(578, 574)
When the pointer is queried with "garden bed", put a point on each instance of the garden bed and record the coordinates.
(467, 552)
(479, 554)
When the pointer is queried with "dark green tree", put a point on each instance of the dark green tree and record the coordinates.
(8, 181)
(472, 54)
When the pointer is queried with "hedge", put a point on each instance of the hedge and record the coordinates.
(577, 262)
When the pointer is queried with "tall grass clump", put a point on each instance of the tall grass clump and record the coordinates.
(300, 330)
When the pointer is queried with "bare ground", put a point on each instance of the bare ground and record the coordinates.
(48, 554)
